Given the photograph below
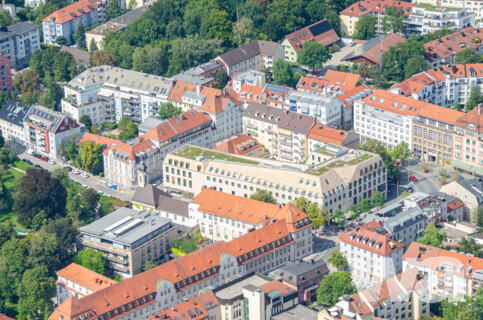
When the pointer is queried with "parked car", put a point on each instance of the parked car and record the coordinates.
(52, 161)
(30, 151)
(410, 190)
(84, 175)
(69, 168)
(75, 171)
(38, 166)
(397, 163)
(44, 159)
(352, 43)
(36, 155)
(413, 178)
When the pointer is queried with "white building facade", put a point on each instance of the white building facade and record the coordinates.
(327, 109)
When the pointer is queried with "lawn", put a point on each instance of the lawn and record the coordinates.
(22, 165)
(191, 152)
(10, 178)
(341, 163)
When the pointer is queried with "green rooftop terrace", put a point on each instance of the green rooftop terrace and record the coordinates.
(191, 152)
(431, 7)
(340, 163)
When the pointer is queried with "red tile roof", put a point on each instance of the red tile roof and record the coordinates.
(97, 139)
(216, 100)
(72, 11)
(84, 277)
(4, 317)
(344, 80)
(371, 50)
(320, 32)
(327, 134)
(414, 84)
(278, 286)
(363, 7)
(474, 117)
(451, 44)
(195, 308)
(239, 145)
(347, 98)
(179, 89)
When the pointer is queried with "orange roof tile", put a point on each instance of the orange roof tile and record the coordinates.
(71, 12)
(193, 309)
(84, 277)
(179, 89)
(362, 90)
(320, 32)
(363, 7)
(4, 317)
(371, 50)
(278, 286)
(216, 100)
(344, 80)
(327, 134)
(97, 139)
(474, 118)
(451, 44)
(239, 145)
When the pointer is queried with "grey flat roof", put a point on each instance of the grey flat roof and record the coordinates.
(130, 17)
(107, 226)
(22, 27)
(300, 268)
(192, 78)
(150, 123)
(235, 290)
(453, 233)
(299, 312)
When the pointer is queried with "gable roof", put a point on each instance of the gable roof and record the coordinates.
(453, 43)
(84, 277)
(149, 195)
(371, 50)
(472, 118)
(320, 32)
(4, 317)
(352, 95)
(14, 112)
(71, 12)
(239, 145)
(195, 308)
(248, 51)
(327, 134)
(79, 55)
(363, 7)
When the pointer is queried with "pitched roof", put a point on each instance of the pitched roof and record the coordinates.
(216, 100)
(195, 308)
(414, 84)
(149, 195)
(14, 112)
(4, 317)
(363, 7)
(333, 79)
(453, 43)
(71, 12)
(320, 32)
(97, 139)
(472, 118)
(79, 55)
(352, 95)
(248, 92)
(327, 134)
(274, 93)
(248, 51)
(84, 277)
(371, 50)
(276, 285)
(239, 145)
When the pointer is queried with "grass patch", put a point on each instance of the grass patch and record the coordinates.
(11, 178)
(340, 163)
(431, 7)
(193, 152)
(22, 165)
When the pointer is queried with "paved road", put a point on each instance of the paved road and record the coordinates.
(337, 57)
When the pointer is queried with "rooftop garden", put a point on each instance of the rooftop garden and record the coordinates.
(191, 152)
(340, 163)
(431, 7)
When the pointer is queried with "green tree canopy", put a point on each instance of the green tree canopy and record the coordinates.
(103, 58)
(79, 36)
(90, 199)
(312, 55)
(337, 260)
(114, 10)
(468, 245)
(333, 286)
(222, 79)
(61, 40)
(377, 199)
(401, 151)
(432, 236)
(475, 99)
(91, 158)
(168, 110)
(128, 128)
(467, 56)
(393, 20)
(150, 60)
(92, 260)
(283, 73)
(86, 120)
(35, 293)
(316, 213)
(263, 195)
(365, 28)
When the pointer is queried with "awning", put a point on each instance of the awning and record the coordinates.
(105, 93)
(477, 170)
(125, 96)
(313, 287)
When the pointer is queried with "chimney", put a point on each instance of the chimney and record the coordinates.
(279, 206)
(479, 109)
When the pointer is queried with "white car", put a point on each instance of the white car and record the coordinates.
(75, 172)
(51, 162)
(84, 175)
(30, 151)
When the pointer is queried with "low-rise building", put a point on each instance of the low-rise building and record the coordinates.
(128, 239)
(78, 281)
(335, 184)
(303, 277)
(437, 208)
(256, 55)
(425, 18)
(320, 136)
(320, 32)
(5, 75)
(470, 192)
(242, 145)
(12, 116)
(45, 130)
(371, 253)
(449, 274)
(370, 52)
(19, 41)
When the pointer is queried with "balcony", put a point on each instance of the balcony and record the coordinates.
(252, 126)
(285, 143)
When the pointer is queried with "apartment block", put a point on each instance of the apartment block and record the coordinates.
(12, 116)
(18, 42)
(282, 132)
(449, 274)
(45, 130)
(78, 281)
(5, 75)
(333, 82)
(321, 136)
(181, 279)
(470, 192)
(425, 18)
(107, 93)
(473, 6)
(205, 306)
(335, 184)
(468, 136)
(372, 254)
(274, 96)
(129, 239)
(437, 207)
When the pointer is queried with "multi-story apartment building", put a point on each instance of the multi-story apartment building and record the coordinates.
(78, 281)
(376, 8)
(256, 55)
(468, 138)
(449, 274)
(327, 109)
(169, 284)
(18, 42)
(470, 192)
(282, 132)
(371, 253)
(473, 6)
(12, 115)
(333, 82)
(129, 239)
(251, 77)
(223, 216)
(321, 136)
(320, 32)
(65, 21)
(107, 93)
(425, 18)
(403, 297)
(335, 184)
(274, 96)
(437, 207)
(45, 130)
(5, 75)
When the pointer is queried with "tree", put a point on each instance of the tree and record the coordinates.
(168, 110)
(128, 128)
(457, 106)
(80, 36)
(2, 140)
(432, 237)
(5, 19)
(264, 196)
(401, 151)
(6, 232)
(312, 55)
(37, 191)
(469, 246)
(106, 206)
(425, 166)
(86, 120)
(365, 205)
(393, 20)
(150, 60)
(61, 40)
(475, 99)
(337, 260)
(244, 31)
(467, 56)
(149, 265)
(333, 286)
(13, 255)
(27, 82)
(90, 199)
(92, 260)
(365, 28)
(377, 147)
(36, 292)
(316, 213)
(91, 157)
(114, 10)
(222, 79)
(283, 73)
(377, 199)
(221, 27)
(477, 216)
(415, 65)
(103, 58)
(92, 45)
(132, 4)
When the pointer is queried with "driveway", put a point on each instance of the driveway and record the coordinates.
(337, 57)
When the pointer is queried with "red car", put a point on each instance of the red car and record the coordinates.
(396, 163)
(413, 178)
(44, 159)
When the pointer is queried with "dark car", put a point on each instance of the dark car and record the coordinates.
(410, 190)
(38, 166)
(69, 168)
(38, 156)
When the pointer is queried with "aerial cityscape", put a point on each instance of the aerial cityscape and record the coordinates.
(241, 160)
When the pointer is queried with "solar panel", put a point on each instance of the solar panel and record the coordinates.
(320, 28)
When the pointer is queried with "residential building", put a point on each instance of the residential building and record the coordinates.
(206, 70)
(449, 274)
(251, 77)
(242, 145)
(468, 136)
(107, 93)
(327, 109)
(246, 93)
(404, 296)
(45, 130)
(348, 98)
(202, 307)
(470, 191)
(457, 231)
(254, 296)
(321, 136)
(372, 254)
(473, 6)
(425, 18)
(149, 124)
(223, 216)
(5, 75)
(256, 55)
(437, 207)
(320, 32)
(80, 56)
(282, 132)
(333, 82)
(335, 184)
(274, 96)
(303, 277)
(372, 51)
(181, 279)
(78, 281)
(375, 8)
(18, 43)
(33, 3)
(442, 51)
(194, 78)
(65, 21)
(128, 239)
(12, 116)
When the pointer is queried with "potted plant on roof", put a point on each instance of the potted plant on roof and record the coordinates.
(425, 167)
